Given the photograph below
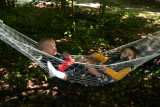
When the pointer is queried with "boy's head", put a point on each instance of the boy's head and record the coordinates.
(48, 45)
(130, 52)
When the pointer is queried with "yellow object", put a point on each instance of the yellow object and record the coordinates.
(118, 75)
(101, 58)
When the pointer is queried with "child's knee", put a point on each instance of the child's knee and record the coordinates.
(81, 59)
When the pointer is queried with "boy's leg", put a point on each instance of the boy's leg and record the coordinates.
(85, 60)
(55, 73)
(93, 71)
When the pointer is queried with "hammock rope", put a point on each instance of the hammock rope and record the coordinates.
(149, 48)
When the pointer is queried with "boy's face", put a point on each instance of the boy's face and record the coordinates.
(52, 50)
(128, 53)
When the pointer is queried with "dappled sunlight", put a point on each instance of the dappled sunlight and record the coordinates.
(33, 65)
(95, 5)
(8, 98)
(25, 88)
(32, 90)
(143, 10)
(42, 4)
(32, 85)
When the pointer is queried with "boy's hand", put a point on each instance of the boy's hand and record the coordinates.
(65, 55)
(92, 55)
(103, 67)
(1, 21)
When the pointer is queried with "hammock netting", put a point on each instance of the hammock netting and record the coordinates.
(148, 47)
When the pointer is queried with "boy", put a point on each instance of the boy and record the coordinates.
(129, 52)
(48, 45)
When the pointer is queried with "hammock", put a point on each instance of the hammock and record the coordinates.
(149, 48)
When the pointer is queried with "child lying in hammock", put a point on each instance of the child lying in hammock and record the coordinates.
(129, 52)
(48, 45)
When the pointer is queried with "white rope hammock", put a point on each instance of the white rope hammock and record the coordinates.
(149, 48)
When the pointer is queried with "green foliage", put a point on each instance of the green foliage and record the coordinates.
(116, 28)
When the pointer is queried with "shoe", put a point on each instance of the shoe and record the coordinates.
(51, 69)
(102, 78)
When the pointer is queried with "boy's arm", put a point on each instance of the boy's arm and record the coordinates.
(100, 57)
(69, 61)
(65, 55)
(118, 75)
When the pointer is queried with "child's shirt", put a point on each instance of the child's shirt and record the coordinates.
(119, 73)
(57, 63)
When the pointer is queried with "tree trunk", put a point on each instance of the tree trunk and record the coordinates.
(73, 17)
(12, 3)
(7, 4)
(103, 5)
(63, 4)
(3, 4)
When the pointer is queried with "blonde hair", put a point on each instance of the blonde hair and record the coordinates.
(44, 43)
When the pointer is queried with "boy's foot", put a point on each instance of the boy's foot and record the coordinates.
(51, 69)
(106, 78)
(55, 73)
(103, 78)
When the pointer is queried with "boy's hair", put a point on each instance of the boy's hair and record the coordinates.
(44, 43)
(136, 51)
